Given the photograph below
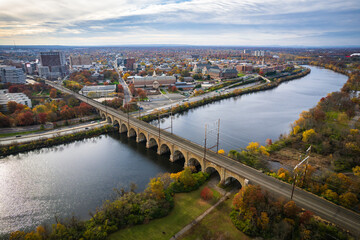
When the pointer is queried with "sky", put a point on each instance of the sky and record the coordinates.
(188, 22)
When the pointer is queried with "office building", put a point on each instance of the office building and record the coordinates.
(11, 74)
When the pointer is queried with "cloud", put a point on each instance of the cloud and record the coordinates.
(204, 22)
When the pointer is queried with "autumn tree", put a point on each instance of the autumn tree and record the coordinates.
(157, 188)
(4, 120)
(11, 106)
(206, 194)
(53, 93)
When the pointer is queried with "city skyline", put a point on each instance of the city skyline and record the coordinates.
(204, 22)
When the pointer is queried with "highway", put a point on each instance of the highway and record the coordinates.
(51, 133)
(341, 216)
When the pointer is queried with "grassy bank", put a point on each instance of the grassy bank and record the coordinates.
(187, 207)
(216, 225)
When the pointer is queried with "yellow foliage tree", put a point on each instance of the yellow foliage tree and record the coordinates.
(296, 129)
(253, 146)
(307, 134)
(356, 171)
(263, 151)
(221, 151)
(157, 188)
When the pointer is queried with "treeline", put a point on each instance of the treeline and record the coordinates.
(237, 92)
(41, 143)
(21, 115)
(257, 214)
(128, 209)
(335, 187)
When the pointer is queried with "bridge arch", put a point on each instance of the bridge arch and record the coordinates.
(177, 155)
(123, 128)
(109, 119)
(103, 116)
(142, 137)
(164, 148)
(234, 182)
(152, 142)
(196, 163)
(132, 132)
(116, 123)
(214, 172)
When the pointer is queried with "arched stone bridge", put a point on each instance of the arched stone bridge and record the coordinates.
(166, 143)
(227, 168)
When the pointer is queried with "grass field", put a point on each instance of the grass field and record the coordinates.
(188, 206)
(216, 225)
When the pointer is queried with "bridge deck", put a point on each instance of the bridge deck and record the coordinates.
(325, 209)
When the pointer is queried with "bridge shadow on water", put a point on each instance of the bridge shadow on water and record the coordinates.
(150, 154)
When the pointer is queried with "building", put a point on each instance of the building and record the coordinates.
(259, 53)
(56, 63)
(98, 91)
(198, 67)
(152, 81)
(244, 68)
(43, 71)
(229, 73)
(215, 73)
(10, 74)
(6, 97)
(80, 61)
(125, 63)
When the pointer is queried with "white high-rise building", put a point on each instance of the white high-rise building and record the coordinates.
(10, 74)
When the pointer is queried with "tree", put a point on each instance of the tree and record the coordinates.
(308, 134)
(4, 120)
(120, 88)
(11, 106)
(291, 210)
(206, 194)
(348, 199)
(186, 178)
(42, 117)
(25, 118)
(157, 188)
(356, 171)
(53, 93)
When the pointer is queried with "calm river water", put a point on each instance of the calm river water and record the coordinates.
(75, 178)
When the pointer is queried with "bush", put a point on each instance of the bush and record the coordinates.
(206, 194)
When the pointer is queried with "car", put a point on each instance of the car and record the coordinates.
(86, 128)
(18, 136)
(185, 100)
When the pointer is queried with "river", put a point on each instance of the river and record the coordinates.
(75, 178)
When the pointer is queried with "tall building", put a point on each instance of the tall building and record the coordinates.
(55, 61)
(11, 74)
(80, 60)
(128, 63)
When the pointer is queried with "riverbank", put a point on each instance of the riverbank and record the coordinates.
(189, 105)
(37, 144)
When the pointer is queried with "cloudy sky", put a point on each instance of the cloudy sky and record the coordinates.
(193, 22)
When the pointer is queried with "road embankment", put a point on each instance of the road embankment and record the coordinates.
(41, 143)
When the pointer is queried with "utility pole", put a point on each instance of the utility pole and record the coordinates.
(218, 137)
(159, 125)
(308, 151)
(205, 142)
(295, 174)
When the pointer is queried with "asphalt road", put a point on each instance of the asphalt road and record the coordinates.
(321, 207)
(127, 94)
(49, 134)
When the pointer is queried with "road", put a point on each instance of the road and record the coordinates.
(127, 93)
(321, 207)
(49, 134)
